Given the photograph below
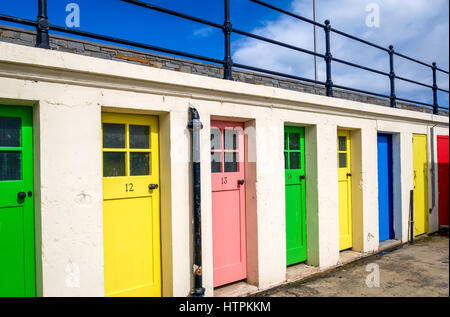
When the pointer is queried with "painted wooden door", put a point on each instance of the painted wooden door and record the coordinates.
(345, 190)
(131, 230)
(420, 184)
(294, 164)
(17, 249)
(385, 203)
(442, 156)
(228, 202)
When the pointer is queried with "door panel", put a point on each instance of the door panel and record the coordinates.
(228, 202)
(130, 207)
(345, 190)
(294, 153)
(420, 184)
(17, 249)
(385, 206)
(443, 172)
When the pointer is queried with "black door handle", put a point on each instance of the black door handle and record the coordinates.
(21, 195)
(349, 174)
(153, 186)
(240, 182)
(302, 177)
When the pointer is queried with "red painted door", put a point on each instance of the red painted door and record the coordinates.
(442, 156)
(228, 202)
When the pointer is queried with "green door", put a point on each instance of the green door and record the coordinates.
(294, 165)
(17, 261)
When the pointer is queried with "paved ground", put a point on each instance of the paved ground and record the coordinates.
(421, 269)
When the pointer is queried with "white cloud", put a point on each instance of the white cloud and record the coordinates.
(204, 32)
(418, 28)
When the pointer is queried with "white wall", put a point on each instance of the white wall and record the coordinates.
(71, 91)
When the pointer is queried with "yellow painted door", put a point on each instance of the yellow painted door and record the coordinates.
(420, 184)
(131, 230)
(345, 190)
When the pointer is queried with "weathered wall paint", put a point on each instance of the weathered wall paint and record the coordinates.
(70, 91)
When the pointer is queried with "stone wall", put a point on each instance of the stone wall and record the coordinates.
(119, 53)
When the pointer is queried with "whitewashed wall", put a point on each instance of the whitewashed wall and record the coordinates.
(69, 92)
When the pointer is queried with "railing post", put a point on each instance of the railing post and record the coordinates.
(227, 27)
(435, 99)
(42, 27)
(328, 57)
(392, 97)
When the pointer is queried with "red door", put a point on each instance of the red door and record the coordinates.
(442, 156)
(228, 202)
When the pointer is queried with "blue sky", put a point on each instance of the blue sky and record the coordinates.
(416, 28)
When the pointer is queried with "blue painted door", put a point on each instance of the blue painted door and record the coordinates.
(385, 208)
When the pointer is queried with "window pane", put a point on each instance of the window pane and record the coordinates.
(285, 141)
(139, 164)
(286, 161)
(215, 162)
(10, 166)
(215, 139)
(139, 137)
(342, 160)
(113, 136)
(230, 139)
(231, 164)
(342, 143)
(113, 164)
(294, 160)
(10, 131)
(294, 141)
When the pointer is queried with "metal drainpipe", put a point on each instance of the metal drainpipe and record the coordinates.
(433, 177)
(196, 125)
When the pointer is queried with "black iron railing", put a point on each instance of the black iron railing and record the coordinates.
(42, 40)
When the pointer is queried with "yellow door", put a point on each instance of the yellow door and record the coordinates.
(345, 190)
(420, 184)
(131, 231)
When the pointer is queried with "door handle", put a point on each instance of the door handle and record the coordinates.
(21, 195)
(153, 186)
(302, 177)
(241, 182)
(349, 174)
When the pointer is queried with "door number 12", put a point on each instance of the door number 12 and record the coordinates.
(129, 187)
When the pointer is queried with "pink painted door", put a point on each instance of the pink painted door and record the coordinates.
(442, 156)
(228, 202)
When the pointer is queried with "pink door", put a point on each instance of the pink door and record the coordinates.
(442, 156)
(228, 202)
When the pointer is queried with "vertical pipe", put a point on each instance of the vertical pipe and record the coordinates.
(315, 40)
(42, 27)
(411, 215)
(435, 99)
(227, 27)
(196, 125)
(328, 57)
(392, 77)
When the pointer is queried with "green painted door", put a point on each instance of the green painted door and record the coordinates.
(17, 259)
(294, 165)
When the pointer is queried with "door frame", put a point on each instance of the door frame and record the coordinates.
(390, 181)
(426, 183)
(302, 184)
(115, 117)
(31, 241)
(242, 163)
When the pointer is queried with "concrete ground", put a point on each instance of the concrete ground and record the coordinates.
(420, 269)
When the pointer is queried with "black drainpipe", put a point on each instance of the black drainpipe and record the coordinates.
(196, 125)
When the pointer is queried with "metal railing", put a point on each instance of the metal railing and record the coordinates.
(42, 40)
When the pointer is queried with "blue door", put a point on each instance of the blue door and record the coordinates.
(385, 209)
